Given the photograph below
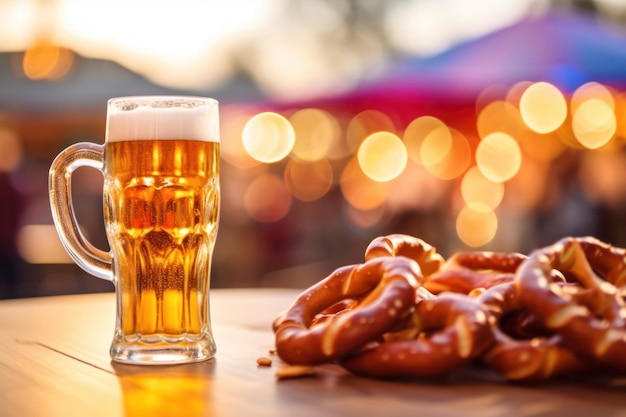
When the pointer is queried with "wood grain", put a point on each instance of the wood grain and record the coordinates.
(54, 362)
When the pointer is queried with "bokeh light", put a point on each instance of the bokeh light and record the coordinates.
(476, 224)
(417, 131)
(359, 190)
(445, 153)
(268, 137)
(308, 181)
(498, 156)
(231, 143)
(543, 107)
(32, 237)
(45, 60)
(266, 199)
(514, 94)
(10, 150)
(594, 123)
(490, 94)
(590, 91)
(382, 156)
(316, 130)
(436, 146)
(364, 124)
(476, 188)
(499, 116)
(620, 109)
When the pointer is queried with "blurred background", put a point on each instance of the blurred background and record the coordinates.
(482, 125)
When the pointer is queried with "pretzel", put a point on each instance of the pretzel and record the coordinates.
(593, 323)
(535, 357)
(453, 331)
(405, 245)
(608, 261)
(465, 272)
(385, 292)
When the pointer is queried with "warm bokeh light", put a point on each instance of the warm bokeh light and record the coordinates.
(364, 124)
(308, 181)
(382, 156)
(10, 150)
(594, 123)
(436, 146)
(268, 137)
(45, 60)
(316, 130)
(590, 91)
(445, 153)
(231, 143)
(266, 199)
(620, 108)
(476, 224)
(476, 188)
(498, 156)
(32, 238)
(499, 116)
(543, 107)
(417, 131)
(514, 94)
(359, 190)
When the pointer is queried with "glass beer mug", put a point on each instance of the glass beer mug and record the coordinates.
(160, 162)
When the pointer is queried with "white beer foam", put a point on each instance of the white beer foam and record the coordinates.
(144, 118)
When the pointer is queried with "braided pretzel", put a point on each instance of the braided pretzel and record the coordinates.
(592, 324)
(404, 245)
(385, 289)
(454, 330)
(534, 358)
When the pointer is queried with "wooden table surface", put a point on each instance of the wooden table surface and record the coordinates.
(54, 362)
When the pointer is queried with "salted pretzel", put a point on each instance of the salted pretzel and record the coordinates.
(405, 245)
(593, 323)
(608, 261)
(464, 272)
(380, 292)
(467, 272)
(531, 357)
(453, 331)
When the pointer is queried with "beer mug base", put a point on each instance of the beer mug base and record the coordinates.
(159, 351)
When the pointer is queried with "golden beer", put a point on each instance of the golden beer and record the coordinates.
(160, 162)
(161, 212)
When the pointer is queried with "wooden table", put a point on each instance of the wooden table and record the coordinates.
(54, 362)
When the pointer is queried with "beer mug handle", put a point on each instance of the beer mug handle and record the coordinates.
(87, 256)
